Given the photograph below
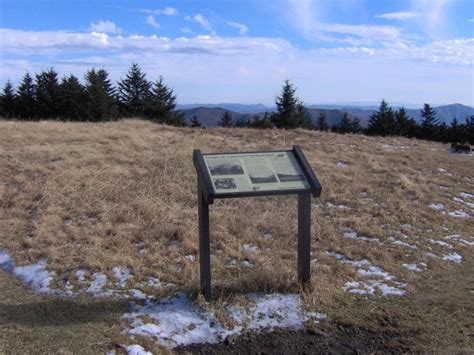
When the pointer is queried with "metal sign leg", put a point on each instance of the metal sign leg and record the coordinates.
(304, 237)
(204, 246)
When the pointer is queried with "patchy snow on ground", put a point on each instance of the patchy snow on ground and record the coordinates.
(368, 287)
(122, 275)
(399, 242)
(436, 206)
(454, 257)
(136, 350)
(459, 214)
(35, 275)
(412, 267)
(250, 248)
(440, 242)
(352, 234)
(98, 283)
(341, 164)
(176, 320)
(466, 195)
(340, 206)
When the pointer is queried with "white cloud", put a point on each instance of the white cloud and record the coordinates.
(105, 27)
(200, 19)
(471, 20)
(401, 16)
(434, 14)
(241, 27)
(167, 11)
(152, 21)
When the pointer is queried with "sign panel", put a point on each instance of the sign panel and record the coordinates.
(254, 172)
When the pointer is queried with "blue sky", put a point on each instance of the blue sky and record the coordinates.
(410, 51)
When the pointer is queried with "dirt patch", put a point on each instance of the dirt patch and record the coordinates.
(347, 340)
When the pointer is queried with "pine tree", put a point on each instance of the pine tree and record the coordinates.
(8, 101)
(72, 104)
(355, 125)
(161, 103)
(321, 123)
(287, 106)
(226, 120)
(302, 117)
(26, 101)
(133, 92)
(456, 132)
(264, 122)
(195, 123)
(100, 96)
(382, 122)
(405, 125)
(469, 129)
(429, 123)
(345, 126)
(47, 94)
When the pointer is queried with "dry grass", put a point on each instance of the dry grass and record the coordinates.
(129, 189)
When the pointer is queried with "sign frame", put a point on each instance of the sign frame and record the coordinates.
(207, 195)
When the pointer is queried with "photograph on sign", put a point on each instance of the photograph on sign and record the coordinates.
(247, 172)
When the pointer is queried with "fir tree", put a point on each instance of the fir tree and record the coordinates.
(72, 105)
(26, 101)
(321, 123)
(382, 122)
(133, 92)
(456, 132)
(226, 120)
(345, 126)
(264, 122)
(429, 123)
(8, 101)
(287, 106)
(405, 125)
(100, 96)
(47, 94)
(469, 129)
(355, 125)
(161, 104)
(195, 123)
(302, 117)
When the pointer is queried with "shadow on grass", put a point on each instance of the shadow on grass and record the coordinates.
(59, 312)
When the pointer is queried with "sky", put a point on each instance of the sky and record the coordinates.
(334, 51)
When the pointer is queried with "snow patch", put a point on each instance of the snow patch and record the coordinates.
(454, 257)
(98, 283)
(250, 248)
(352, 234)
(122, 275)
(466, 195)
(341, 207)
(179, 321)
(412, 267)
(399, 242)
(341, 164)
(136, 350)
(440, 242)
(436, 206)
(459, 214)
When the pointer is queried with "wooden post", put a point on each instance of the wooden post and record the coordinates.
(204, 245)
(304, 237)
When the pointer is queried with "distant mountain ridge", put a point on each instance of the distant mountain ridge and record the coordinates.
(210, 114)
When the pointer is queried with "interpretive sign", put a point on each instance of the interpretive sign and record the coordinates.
(229, 175)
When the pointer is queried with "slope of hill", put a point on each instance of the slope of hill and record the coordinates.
(110, 209)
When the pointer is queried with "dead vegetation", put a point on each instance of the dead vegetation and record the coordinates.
(95, 196)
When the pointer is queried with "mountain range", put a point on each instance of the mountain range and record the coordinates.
(210, 114)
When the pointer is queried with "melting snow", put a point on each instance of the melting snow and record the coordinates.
(352, 234)
(98, 283)
(179, 321)
(436, 206)
(466, 195)
(250, 248)
(136, 350)
(399, 242)
(342, 207)
(35, 275)
(122, 274)
(440, 242)
(341, 164)
(454, 257)
(412, 267)
(459, 214)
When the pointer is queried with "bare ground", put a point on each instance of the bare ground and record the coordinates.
(95, 196)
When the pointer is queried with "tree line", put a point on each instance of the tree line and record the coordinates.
(45, 96)
(386, 121)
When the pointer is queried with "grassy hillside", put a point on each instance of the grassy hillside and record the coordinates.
(95, 196)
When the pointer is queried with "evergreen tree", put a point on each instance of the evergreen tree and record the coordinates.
(26, 101)
(382, 122)
(287, 104)
(321, 123)
(72, 104)
(133, 92)
(469, 129)
(161, 104)
(345, 126)
(100, 96)
(264, 122)
(302, 117)
(8, 101)
(226, 120)
(456, 132)
(405, 125)
(195, 123)
(47, 94)
(355, 125)
(429, 123)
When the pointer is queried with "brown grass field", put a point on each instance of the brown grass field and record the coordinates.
(127, 190)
